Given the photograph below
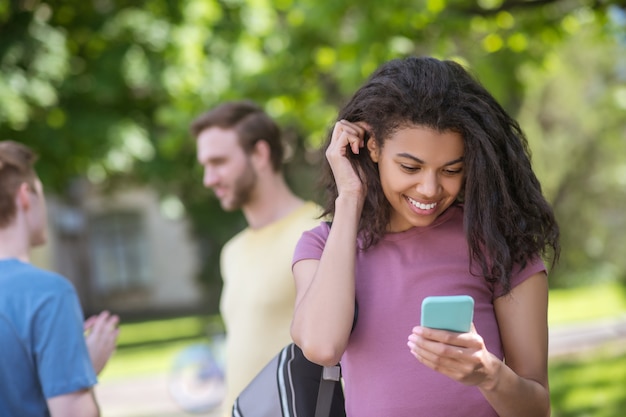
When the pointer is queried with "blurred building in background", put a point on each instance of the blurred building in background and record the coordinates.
(123, 252)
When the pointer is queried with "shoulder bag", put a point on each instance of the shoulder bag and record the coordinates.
(292, 386)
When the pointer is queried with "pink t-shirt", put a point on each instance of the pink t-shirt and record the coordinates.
(382, 378)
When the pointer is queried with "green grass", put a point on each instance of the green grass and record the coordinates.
(590, 386)
(593, 385)
(586, 303)
(149, 348)
(154, 331)
(144, 360)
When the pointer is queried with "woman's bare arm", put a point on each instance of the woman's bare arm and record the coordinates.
(520, 387)
(325, 289)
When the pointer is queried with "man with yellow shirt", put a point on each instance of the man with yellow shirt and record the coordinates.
(241, 151)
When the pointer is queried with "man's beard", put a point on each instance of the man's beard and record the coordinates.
(242, 189)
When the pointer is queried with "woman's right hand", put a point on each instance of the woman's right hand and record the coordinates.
(347, 137)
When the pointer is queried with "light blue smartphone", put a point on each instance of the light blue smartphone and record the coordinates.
(448, 312)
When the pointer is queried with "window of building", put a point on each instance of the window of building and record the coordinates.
(118, 252)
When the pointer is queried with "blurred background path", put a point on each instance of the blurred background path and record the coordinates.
(140, 397)
(149, 396)
(578, 338)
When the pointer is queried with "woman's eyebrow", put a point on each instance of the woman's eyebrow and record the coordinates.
(419, 161)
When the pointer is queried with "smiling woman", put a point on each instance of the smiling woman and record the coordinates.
(431, 193)
(421, 173)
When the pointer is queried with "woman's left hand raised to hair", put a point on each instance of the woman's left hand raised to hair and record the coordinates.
(461, 356)
(347, 137)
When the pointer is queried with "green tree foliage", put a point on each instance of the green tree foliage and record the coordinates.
(106, 89)
(575, 117)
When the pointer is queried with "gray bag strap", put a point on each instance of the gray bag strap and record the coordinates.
(330, 377)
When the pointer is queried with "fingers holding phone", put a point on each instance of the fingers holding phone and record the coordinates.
(447, 341)
(445, 321)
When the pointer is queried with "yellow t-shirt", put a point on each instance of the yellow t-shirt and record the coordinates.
(258, 296)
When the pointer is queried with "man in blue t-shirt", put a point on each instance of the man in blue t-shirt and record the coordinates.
(49, 357)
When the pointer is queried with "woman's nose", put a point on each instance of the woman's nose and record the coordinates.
(428, 185)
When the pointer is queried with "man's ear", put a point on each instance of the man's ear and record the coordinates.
(261, 153)
(373, 149)
(23, 196)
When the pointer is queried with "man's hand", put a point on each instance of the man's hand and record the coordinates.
(101, 333)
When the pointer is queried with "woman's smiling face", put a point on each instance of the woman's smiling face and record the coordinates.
(421, 172)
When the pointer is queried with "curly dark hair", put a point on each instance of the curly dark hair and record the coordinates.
(507, 220)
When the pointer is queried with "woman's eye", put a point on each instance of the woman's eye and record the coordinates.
(453, 171)
(409, 168)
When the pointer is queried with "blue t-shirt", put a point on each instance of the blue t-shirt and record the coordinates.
(43, 352)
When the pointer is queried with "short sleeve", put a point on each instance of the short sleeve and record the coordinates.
(520, 275)
(311, 243)
(63, 361)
